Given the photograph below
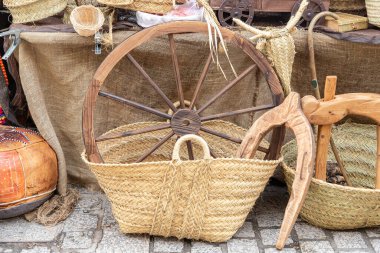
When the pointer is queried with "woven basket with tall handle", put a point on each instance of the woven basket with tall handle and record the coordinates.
(207, 199)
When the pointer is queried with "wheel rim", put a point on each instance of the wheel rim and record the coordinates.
(183, 120)
(230, 9)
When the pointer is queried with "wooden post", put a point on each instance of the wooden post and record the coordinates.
(324, 132)
(378, 159)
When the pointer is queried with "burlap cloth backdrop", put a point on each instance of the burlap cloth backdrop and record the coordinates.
(56, 68)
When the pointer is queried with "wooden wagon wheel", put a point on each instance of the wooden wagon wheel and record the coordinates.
(184, 120)
(240, 9)
(314, 7)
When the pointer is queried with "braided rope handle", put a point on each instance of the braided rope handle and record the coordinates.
(191, 137)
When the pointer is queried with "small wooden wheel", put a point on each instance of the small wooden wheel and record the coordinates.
(184, 120)
(240, 9)
(314, 7)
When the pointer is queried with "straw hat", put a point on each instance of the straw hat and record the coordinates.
(24, 11)
(87, 20)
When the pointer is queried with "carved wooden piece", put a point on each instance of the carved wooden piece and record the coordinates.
(169, 29)
(290, 114)
(324, 133)
(330, 112)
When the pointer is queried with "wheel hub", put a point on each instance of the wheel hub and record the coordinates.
(185, 121)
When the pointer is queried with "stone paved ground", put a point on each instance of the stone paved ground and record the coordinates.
(91, 228)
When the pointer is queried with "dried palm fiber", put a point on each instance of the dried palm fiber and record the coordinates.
(373, 12)
(87, 20)
(24, 11)
(347, 5)
(339, 207)
(55, 210)
(207, 199)
(278, 45)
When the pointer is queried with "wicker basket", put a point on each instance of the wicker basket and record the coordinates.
(24, 11)
(373, 12)
(207, 199)
(86, 20)
(347, 5)
(339, 207)
(150, 6)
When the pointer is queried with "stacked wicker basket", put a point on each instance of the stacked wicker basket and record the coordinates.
(24, 11)
(373, 11)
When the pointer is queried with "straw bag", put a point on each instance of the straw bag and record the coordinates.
(207, 199)
(339, 207)
(347, 5)
(24, 11)
(373, 11)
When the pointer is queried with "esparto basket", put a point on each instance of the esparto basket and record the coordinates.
(24, 11)
(150, 6)
(347, 5)
(207, 199)
(337, 207)
(87, 19)
(373, 12)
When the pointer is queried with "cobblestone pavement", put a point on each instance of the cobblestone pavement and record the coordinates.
(91, 228)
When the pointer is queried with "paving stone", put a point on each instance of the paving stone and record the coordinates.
(373, 232)
(242, 246)
(89, 202)
(202, 247)
(20, 230)
(246, 231)
(349, 240)
(306, 231)
(115, 242)
(167, 245)
(376, 245)
(7, 250)
(270, 219)
(269, 237)
(36, 250)
(285, 250)
(77, 240)
(108, 218)
(80, 221)
(316, 247)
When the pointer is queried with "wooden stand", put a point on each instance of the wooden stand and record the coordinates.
(290, 114)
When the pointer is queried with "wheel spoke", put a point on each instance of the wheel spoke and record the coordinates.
(176, 71)
(262, 149)
(155, 147)
(221, 135)
(227, 18)
(238, 112)
(133, 132)
(150, 80)
(134, 104)
(190, 150)
(201, 81)
(228, 87)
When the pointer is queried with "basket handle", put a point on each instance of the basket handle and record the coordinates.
(191, 137)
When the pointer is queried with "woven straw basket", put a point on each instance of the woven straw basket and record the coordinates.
(373, 11)
(207, 199)
(150, 6)
(24, 11)
(86, 20)
(347, 5)
(339, 207)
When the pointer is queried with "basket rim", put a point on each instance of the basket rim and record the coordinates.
(253, 160)
(329, 185)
